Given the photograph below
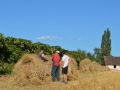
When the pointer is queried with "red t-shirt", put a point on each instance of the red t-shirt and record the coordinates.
(56, 59)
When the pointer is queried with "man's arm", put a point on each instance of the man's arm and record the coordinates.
(69, 60)
(45, 59)
(52, 57)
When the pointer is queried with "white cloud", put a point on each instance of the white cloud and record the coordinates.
(49, 38)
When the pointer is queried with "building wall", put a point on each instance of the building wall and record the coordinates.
(118, 67)
(112, 67)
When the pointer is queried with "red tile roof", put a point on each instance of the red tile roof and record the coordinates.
(110, 60)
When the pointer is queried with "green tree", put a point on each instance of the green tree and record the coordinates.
(97, 55)
(4, 54)
(105, 45)
(90, 56)
(79, 55)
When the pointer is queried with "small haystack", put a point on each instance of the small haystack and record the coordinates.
(31, 70)
(90, 67)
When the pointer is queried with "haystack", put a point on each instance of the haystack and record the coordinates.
(72, 70)
(31, 70)
(86, 66)
(72, 66)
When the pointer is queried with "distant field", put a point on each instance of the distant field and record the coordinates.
(109, 80)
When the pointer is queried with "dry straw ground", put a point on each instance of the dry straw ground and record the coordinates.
(32, 74)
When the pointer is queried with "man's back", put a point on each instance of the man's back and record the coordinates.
(65, 58)
(41, 57)
(56, 59)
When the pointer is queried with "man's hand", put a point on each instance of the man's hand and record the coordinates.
(69, 60)
(46, 60)
(60, 69)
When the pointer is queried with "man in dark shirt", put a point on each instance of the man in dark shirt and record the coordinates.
(42, 56)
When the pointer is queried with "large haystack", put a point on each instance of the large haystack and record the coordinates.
(86, 66)
(31, 70)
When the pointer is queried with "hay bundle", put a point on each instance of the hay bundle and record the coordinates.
(72, 66)
(72, 70)
(86, 66)
(31, 70)
(49, 62)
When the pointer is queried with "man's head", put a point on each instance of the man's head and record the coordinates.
(63, 52)
(41, 51)
(57, 51)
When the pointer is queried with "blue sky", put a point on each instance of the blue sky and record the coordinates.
(71, 24)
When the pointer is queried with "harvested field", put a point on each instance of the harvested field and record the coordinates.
(108, 80)
(30, 75)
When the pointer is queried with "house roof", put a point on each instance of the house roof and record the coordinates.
(110, 60)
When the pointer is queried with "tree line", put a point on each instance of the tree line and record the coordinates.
(12, 49)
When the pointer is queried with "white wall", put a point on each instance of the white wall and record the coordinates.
(118, 67)
(112, 67)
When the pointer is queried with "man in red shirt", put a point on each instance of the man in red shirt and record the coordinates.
(56, 66)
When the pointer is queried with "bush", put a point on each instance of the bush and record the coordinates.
(8, 69)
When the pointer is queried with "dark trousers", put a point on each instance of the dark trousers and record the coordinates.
(55, 72)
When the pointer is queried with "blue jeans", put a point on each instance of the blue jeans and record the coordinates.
(55, 72)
